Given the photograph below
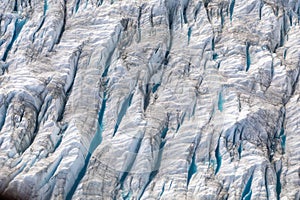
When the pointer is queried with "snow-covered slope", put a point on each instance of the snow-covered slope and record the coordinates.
(150, 99)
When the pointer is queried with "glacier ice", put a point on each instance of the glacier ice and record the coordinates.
(157, 99)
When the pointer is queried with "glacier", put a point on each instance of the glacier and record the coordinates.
(150, 99)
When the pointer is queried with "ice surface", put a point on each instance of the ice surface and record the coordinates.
(157, 99)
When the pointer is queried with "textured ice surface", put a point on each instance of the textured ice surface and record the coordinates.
(156, 99)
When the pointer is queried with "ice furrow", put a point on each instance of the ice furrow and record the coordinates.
(192, 169)
(96, 141)
(122, 112)
(247, 192)
(18, 27)
(218, 157)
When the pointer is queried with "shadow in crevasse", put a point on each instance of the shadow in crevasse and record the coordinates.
(12, 196)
